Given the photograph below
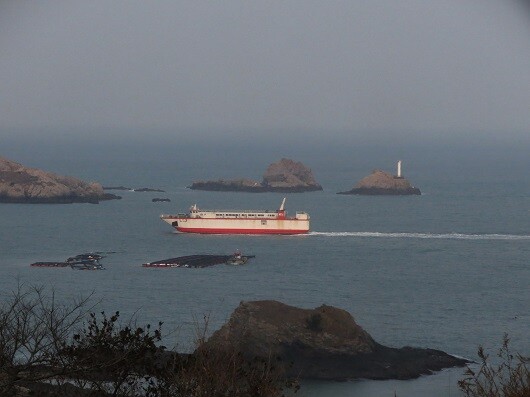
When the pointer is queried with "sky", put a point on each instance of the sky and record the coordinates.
(342, 71)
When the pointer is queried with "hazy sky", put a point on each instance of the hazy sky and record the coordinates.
(355, 70)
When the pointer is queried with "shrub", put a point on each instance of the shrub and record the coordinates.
(510, 378)
(112, 358)
(33, 329)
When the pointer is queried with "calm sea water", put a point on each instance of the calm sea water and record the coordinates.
(448, 270)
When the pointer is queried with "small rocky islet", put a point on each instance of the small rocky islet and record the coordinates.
(285, 176)
(20, 184)
(381, 183)
(324, 343)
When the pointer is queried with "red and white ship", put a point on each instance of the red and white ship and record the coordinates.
(239, 221)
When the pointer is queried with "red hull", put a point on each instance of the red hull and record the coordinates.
(239, 231)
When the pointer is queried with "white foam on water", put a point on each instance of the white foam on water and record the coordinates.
(446, 236)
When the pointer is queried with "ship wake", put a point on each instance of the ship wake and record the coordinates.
(440, 236)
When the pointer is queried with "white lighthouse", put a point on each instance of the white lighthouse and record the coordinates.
(398, 169)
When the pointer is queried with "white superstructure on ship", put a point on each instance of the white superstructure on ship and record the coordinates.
(239, 221)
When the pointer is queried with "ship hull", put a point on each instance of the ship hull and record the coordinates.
(227, 226)
(239, 231)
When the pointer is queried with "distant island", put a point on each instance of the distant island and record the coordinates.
(286, 176)
(383, 183)
(20, 184)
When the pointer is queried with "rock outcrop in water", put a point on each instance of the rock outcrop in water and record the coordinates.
(149, 189)
(383, 183)
(321, 343)
(233, 185)
(285, 176)
(160, 200)
(19, 184)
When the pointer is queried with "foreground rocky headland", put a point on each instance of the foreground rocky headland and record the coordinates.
(383, 183)
(286, 176)
(19, 184)
(323, 343)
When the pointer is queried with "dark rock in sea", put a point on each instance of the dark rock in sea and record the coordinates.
(234, 185)
(160, 200)
(323, 343)
(110, 196)
(116, 188)
(146, 189)
(143, 189)
(285, 176)
(19, 184)
(383, 183)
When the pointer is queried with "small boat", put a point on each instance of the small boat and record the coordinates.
(88, 261)
(90, 256)
(238, 259)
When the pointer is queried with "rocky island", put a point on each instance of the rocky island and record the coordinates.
(286, 176)
(323, 343)
(19, 184)
(383, 183)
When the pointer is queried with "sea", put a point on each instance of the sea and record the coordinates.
(448, 270)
